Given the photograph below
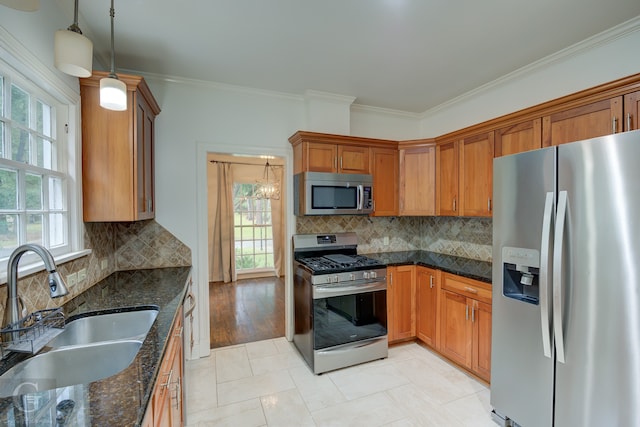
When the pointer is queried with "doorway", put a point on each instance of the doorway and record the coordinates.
(247, 302)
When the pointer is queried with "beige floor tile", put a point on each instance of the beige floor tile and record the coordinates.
(420, 409)
(246, 414)
(286, 409)
(473, 410)
(369, 411)
(253, 387)
(200, 380)
(232, 364)
(368, 380)
(261, 349)
(318, 391)
(276, 362)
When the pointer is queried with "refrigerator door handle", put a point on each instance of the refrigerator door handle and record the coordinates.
(545, 247)
(557, 275)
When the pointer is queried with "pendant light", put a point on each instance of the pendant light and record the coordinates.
(268, 189)
(73, 52)
(113, 92)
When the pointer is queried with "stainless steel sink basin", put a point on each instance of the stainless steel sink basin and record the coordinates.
(68, 366)
(106, 327)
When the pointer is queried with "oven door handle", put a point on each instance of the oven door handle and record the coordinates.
(322, 291)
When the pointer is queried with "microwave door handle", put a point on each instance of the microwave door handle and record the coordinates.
(360, 197)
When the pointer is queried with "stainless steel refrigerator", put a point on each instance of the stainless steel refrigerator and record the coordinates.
(566, 285)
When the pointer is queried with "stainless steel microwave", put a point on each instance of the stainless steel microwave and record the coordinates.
(319, 193)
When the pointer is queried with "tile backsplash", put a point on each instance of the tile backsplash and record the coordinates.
(124, 246)
(464, 237)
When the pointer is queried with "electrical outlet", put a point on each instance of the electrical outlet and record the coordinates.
(82, 274)
(72, 279)
(385, 240)
(104, 264)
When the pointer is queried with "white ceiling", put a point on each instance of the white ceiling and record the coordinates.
(407, 55)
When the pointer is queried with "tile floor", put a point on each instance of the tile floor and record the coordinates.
(267, 383)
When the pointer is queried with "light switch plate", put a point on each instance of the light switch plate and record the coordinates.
(82, 274)
(104, 264)
(72, 279)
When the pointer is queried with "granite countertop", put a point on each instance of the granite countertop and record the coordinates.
(120, 400)
(470, 268)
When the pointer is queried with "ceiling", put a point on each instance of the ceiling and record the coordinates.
(408, 55)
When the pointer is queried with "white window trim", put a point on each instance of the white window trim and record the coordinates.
(31, 68)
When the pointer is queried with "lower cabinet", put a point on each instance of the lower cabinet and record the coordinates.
(401, 302)
(166, 406)
(466, 323)
(427, 292)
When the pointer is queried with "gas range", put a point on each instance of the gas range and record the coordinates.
(333, 258)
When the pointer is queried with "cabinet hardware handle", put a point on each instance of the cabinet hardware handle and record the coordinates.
(166, 385)
(340, 162)
(473, 313)
(179, 333)
(431, 281)
(489, 204)
(177, 397)
(390, 279)
(472, 290)
(628, 121)
(466, 312)
(615, 124)
(454, 204)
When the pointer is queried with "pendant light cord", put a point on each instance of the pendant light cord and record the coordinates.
(112, 74)
(74, 27)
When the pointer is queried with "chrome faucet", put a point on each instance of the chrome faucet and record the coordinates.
(57, 287)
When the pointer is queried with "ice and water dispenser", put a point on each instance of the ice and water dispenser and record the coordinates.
(521, 273)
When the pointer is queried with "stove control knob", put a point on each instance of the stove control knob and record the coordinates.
(374, 274)
(366, 275)
(352, 276)
(328, 279)
(335, 278)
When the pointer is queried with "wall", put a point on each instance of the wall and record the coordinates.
(463, 237)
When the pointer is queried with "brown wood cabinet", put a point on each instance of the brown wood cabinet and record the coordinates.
(447, 203)
(427, 309)
(598, 118)
(466, 323)
(167, 406)
(418, 180)
(476, 175)
(631, 110)
(517, 138)
(401, 302)
(321, 152)
(384, 168)
(117, 152)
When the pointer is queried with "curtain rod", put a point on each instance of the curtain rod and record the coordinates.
(248, 164)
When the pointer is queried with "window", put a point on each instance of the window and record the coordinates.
(253, 232)
(34, 173)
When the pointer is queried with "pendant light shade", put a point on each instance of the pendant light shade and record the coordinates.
(113, 92)
(73, 52)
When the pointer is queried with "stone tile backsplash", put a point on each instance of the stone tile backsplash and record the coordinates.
(465, 237)
(125, 246)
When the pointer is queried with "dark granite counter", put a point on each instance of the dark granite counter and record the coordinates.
(473, 269)
(120, 400)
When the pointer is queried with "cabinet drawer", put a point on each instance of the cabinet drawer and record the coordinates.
(468, 287)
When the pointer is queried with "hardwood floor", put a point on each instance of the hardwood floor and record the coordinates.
(246, 310)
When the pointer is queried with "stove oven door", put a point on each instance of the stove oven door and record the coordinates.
(349, 313)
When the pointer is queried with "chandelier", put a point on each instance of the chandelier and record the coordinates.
(268, 189)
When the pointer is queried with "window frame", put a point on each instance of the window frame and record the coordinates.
(29, 73)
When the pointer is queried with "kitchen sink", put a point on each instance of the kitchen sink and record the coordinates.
(68, 366)
(122, 325)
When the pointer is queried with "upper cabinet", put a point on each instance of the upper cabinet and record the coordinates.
(464, 176)
(524, 136)
(418, 180)
(117, 153)
(631, 110)
(384, 168)
(476, 173)
(321, 152)
(591, 120)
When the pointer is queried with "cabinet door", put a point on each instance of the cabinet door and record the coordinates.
(476, 173)
(631, 110)
(321, 157)
(447, 179)
(401, 305)
(353, 159)
(481, 318)
(456, 335)
(518, 138)
(427, 305)
(586, 121)
(417, 181)
(384, 168)
(144, 158)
